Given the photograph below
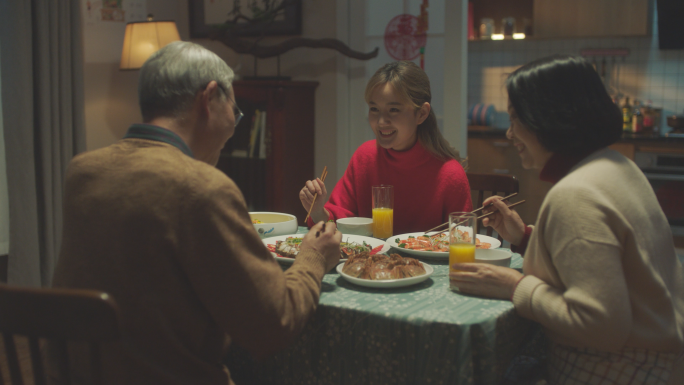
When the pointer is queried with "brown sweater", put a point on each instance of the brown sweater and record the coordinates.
(171, 240)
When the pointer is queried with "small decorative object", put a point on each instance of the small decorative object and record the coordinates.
(404, 38)
(508, 26)
(486, 28)
(260, 18)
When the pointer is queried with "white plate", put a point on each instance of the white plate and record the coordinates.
(441, 255)
(388, 283)
(374, 242)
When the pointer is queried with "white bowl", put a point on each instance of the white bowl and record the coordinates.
(356, 226)
(493, 257)
(274, 224)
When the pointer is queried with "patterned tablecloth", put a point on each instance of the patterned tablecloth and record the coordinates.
(421, 334)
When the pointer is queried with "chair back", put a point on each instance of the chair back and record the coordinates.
(483, 186)
(60, 316)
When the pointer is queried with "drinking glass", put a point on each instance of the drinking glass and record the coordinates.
(486, 28)
(508, 26)
(462, 231)
(383, 211)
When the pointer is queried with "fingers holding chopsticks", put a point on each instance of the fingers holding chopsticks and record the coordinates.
(311, 189)
(504, 220)
(313, 196)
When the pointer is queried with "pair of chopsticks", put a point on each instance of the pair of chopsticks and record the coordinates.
(323, 175)
(475, 211)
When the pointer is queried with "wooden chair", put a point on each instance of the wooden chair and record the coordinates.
(483, 186)
(58, 315)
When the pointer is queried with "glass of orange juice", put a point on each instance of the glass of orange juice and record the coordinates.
(383, 211)
(462, 232)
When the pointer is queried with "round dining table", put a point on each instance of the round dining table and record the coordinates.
(419, 334)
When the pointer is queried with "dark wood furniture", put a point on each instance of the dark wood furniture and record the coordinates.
(483, 186)
(273, 183)
(492, 153)
(60, 315)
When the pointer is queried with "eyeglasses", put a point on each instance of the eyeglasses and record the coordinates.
(237, 112)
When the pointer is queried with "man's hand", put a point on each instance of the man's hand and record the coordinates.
(324, 238)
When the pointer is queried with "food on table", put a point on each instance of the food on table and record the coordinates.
(382, 266)
(436, 243)
(289, 248)
(256, 221)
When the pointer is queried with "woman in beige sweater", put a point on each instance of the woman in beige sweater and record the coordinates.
(600, 271)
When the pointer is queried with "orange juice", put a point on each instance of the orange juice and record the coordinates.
(383, 219)
(461, 253)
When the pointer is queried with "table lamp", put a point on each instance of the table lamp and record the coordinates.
(143, 38)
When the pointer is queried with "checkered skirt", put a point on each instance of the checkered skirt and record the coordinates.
(631, 366)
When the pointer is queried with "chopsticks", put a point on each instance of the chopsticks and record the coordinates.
(481, 208)
(323, 175)
(509, 206)
(480, 217)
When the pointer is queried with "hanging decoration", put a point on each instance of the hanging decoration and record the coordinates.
(406, 35)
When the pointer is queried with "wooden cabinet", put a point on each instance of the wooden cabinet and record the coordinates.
(272, 182)
(569, 18)
(591, 18)
(497, 155)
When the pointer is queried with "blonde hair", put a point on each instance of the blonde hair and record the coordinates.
(412, 83)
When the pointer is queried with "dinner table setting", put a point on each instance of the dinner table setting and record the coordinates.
(402, 324)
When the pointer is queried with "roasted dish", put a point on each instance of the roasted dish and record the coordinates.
(382, 267)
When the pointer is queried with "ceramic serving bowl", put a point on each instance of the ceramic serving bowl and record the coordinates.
(274, 224)
(493, 257)
(356, 226)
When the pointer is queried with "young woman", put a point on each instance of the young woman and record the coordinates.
(408, 153)
(601, 274)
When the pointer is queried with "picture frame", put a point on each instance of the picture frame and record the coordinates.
(289, 24)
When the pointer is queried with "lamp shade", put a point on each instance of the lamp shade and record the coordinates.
(142, 39)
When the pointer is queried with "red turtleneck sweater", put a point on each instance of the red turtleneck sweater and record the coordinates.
(426, 189)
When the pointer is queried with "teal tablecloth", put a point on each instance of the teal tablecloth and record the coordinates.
(421, 334)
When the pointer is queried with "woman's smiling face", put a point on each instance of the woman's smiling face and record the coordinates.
(531, 152)
(393, 119)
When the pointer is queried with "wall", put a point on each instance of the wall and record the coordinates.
(4, 203)
(647, 73)
(111, 95)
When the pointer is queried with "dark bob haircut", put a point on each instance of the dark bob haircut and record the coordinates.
(563, 101)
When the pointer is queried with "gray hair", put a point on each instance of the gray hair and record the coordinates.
(170, 79)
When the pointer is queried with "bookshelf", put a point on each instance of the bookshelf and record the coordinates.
(283, 155)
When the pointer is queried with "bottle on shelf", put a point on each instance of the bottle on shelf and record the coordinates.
(627, 115)
(637, 118)
(647, 113)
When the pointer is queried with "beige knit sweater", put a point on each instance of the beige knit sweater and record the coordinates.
(601, 266)
(171, 240)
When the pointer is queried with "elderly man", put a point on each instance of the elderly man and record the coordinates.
(150, 221)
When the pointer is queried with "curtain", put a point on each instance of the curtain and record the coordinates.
(43, 113)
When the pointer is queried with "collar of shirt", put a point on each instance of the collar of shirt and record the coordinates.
(150, 132)
(414, 157)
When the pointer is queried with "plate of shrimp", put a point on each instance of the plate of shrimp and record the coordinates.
(434, 244)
